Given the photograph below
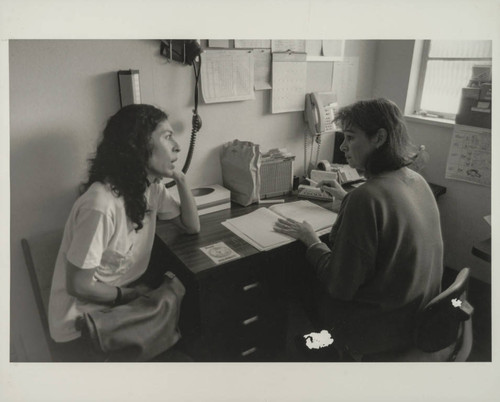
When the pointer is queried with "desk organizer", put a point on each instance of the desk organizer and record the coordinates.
(276, 177)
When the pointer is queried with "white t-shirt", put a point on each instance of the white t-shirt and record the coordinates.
(99, 234)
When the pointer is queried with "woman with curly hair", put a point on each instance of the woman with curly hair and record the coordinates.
(109, 234)
(384, 261)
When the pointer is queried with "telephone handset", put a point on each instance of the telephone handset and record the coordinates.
(319, 112)
(319, 115)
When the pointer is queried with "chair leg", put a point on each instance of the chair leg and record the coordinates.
(462, 353)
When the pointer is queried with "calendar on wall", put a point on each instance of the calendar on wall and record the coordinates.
(289, 77)
(469, 158)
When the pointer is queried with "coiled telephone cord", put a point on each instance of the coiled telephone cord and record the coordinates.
(195, 124)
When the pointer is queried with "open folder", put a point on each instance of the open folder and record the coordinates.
(257, 227)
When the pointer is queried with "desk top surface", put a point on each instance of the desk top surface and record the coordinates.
(187, 247)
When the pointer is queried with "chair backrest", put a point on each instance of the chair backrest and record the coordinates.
(446, 319)
(40, 254)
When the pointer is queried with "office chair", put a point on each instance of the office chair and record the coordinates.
(443, 331)
(447, 320)
(40, 254)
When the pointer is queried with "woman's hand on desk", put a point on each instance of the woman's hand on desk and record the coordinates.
(301, 231)
(333, 188)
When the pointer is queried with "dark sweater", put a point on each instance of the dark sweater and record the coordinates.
(385, 262)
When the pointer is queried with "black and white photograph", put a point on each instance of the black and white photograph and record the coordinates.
(277, 202)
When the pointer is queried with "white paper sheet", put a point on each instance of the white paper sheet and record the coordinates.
(257, 227)
(345, 80)
(288, 45)
(218, 43)
(469, 158)
(289, 80)
(334, 48)
(227, 75)
(252, 44)
(262, 68)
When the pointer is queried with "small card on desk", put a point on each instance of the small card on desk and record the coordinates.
(220, 252)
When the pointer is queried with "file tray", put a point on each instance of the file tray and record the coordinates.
(276, 177)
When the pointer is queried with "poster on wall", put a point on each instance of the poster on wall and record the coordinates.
(469, 158)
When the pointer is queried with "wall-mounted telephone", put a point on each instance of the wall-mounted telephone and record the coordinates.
(183, 51)
(319, 112)
(319, 115)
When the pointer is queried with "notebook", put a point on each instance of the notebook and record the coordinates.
(257, 227)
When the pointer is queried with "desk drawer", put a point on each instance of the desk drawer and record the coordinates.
(257, 338)
(236, 294)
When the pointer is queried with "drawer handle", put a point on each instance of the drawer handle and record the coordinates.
(251, 286)
(249, 351)
(250, 320)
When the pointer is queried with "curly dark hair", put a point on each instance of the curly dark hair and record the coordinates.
(372, 115)
(122, 156)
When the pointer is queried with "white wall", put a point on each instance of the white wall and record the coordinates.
(61, 94)
(464, 205)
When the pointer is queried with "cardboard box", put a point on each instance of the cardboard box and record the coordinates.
(469, 114)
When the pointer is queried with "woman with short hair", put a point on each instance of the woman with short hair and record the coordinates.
(385, 257)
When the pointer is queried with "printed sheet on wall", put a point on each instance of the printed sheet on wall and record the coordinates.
(469, 158)
(227, 75)
(289, 78)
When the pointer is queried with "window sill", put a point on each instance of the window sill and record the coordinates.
(431, 120)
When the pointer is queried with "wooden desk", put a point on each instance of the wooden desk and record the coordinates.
(232, 311)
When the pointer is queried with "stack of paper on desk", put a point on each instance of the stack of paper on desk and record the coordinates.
(257, 227)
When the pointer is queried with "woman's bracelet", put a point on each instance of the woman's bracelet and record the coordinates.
(118, 298)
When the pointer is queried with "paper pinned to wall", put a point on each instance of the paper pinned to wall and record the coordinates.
(333, 48)
(313, 48)
(252, 44)
(289, 82)
(262, 68)
(224, 43)
(345, 80)
(227, 75)
(288, 45)
(469, 158)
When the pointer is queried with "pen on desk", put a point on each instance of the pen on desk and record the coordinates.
(314, 183)
(278, 201)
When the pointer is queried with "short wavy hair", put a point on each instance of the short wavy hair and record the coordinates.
(372, 115)
(122, 156)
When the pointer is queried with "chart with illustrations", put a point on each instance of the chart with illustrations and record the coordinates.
(469, 158)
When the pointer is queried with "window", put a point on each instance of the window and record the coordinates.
(446, 68)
